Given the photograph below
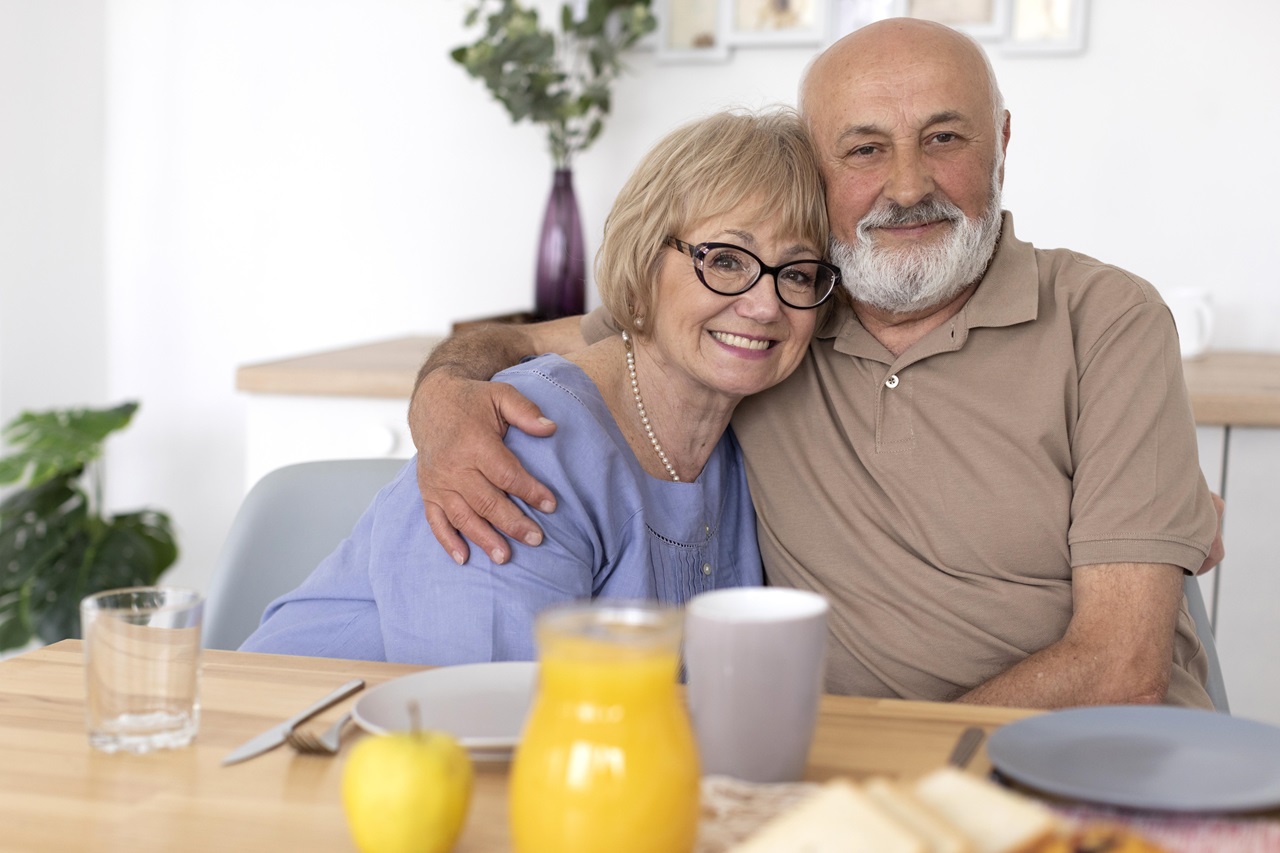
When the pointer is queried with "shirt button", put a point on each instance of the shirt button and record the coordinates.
(891, 382)
(706, 568)
(708, 529)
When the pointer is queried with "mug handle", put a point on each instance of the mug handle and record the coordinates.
(1204, 324)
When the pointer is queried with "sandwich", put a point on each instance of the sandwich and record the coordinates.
(945, 811)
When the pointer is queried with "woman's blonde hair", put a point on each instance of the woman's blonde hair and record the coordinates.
(702, 169)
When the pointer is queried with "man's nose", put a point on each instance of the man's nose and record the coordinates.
(909, 180)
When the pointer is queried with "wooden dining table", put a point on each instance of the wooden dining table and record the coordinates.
(56, 793)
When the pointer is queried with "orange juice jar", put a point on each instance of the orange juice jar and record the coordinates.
(607, 760)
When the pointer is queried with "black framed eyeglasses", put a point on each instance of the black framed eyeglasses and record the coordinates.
(730, 270)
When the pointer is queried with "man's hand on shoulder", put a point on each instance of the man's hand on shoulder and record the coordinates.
(458, 419)
(465, 472)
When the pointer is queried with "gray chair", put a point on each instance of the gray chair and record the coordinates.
(290, 520)
(1216, 687)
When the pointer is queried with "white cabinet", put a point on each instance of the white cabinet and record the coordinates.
(348, 403)
(1212, 443)
(1247, 605)
(284, 429)
(1236, 399)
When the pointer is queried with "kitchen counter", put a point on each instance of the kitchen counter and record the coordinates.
(1236, 388)
(381, 369)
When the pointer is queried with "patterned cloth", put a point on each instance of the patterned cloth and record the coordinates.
(1190, 833)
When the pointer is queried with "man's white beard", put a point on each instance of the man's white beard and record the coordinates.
(906, 280)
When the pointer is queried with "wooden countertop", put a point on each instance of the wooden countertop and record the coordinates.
(381, 369)
(1236, 388)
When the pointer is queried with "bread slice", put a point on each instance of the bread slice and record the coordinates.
(994, 819)
(907, 809)
(839, 818)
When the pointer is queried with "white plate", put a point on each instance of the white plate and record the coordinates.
(1144, 757)
(483, 705)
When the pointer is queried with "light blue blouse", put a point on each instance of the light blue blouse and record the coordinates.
(390, 592)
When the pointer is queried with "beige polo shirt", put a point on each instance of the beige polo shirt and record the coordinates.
(940, 499)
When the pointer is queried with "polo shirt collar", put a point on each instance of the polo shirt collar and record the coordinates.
(1008, 294)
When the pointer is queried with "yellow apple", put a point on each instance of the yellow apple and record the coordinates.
(406, 793)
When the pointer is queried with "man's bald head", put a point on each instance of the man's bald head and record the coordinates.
(897, 43)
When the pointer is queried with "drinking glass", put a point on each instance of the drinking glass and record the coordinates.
(142, 667)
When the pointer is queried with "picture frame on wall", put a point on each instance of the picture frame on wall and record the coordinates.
(985, 20)
(1016, 27)
(1047, 27)
(777, 22)
(850, 15)
(692, 30)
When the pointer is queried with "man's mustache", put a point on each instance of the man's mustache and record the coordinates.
(892, 215)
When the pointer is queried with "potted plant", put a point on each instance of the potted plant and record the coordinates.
(559, 78)
(56, 546)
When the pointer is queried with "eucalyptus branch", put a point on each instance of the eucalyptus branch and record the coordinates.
(561, 78)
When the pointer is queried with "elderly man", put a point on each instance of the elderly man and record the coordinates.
(987, 460)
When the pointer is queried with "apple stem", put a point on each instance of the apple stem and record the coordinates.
(415, 717)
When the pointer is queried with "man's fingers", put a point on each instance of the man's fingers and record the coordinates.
(465, 472)
(493, 506)
(520, 412)
(504, 470)
(446, 534)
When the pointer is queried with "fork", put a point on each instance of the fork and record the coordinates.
(966, 746)
(325, 744)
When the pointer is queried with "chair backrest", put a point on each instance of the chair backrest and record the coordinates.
(1216, 687)
(290, 520)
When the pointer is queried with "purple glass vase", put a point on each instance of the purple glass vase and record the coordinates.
(562, 270)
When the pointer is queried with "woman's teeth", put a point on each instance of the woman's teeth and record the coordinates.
(739, 341)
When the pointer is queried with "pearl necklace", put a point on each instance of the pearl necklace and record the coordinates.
(644, 418)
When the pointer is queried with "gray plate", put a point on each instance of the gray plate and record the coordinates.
(482, 704)
(1144, 757)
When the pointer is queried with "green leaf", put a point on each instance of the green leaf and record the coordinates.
(36, 526)
(596, 127)
(56, 592)
(15, 622)
(55, 547)
(56, 442)
(147, 534)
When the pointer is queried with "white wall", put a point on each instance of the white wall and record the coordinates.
(292, 175)
(52, 331)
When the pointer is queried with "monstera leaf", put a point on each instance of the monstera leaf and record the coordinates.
(56, 546)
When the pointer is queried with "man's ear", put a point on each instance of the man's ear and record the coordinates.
(1004, 142)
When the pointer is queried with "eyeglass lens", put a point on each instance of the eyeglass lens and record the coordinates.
(729, 270)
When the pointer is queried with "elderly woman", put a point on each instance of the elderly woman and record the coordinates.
(709, 264)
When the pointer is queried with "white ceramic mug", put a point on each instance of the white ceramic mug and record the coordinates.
(1193, 315)
(754, 659)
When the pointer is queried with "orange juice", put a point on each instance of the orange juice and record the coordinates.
(607, 760)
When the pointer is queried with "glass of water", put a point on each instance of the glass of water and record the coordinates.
(142, 667)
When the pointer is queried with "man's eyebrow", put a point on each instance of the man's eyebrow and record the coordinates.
(858, 130)
(944, 117)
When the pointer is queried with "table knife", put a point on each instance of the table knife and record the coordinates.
(275, 735)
